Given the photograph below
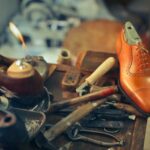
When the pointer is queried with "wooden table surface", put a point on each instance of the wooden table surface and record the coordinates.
(133, 133)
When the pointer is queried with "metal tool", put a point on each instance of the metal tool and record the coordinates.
(74, 133)
(83, 99)
(107, 125)
(66, 111)
(112, 114)
(105, 111)
(127, 108)
(45, 102)
(39, 65)
(97, 74)
(75, 116)
(40, 102)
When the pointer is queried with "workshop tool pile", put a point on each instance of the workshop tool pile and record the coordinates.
(96, 115)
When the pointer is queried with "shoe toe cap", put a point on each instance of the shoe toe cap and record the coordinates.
(143, 99)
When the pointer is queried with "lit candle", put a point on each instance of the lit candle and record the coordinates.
(17, 33)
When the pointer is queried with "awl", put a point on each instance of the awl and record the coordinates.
(97, 74)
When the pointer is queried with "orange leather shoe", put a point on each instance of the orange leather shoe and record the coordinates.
(134, 60)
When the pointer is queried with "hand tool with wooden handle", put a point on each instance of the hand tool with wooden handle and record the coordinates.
(97, 74)
(75, 116)
(128, 108)
(83, 99)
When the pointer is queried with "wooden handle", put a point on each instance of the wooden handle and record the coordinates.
(128, 108)
(104, 93)
(68, 121)
(101, 70)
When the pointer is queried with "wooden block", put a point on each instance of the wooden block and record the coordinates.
(88, 61)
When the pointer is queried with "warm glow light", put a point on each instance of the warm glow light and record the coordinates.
(17, 34)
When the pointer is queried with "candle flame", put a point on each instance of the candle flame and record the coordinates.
(17, 33)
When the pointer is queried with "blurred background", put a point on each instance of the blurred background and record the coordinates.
(48, 26)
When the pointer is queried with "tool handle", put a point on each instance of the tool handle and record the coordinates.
(83, 99)
(128, 108)
(68, 121)
(101, 70)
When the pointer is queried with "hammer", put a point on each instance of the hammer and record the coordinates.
(84, 88)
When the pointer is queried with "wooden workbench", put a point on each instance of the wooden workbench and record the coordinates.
(133, 132)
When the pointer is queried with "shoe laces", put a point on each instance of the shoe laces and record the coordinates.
(143, 57)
